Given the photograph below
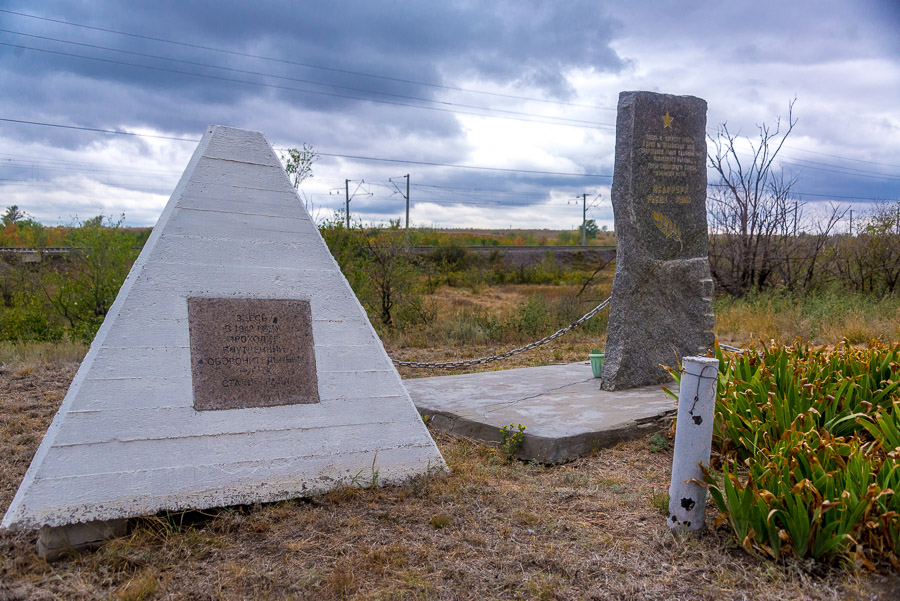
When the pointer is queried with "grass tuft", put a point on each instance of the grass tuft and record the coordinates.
(139, 587)
(28, 354)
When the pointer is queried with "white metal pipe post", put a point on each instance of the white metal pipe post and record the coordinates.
(693, 437)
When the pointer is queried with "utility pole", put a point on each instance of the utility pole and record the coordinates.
(406, 196)
(347, 200)
(407, 208)
(584, 219)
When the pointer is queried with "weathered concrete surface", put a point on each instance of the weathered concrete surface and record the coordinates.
(54, 542)
(128, 441)
(661, 306)
(563, 408)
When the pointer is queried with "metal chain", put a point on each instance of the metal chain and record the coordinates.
(516, 351)
(732, 349)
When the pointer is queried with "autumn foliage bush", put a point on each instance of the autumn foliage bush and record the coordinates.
(807, 450)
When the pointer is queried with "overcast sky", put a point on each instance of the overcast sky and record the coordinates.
(527, 86)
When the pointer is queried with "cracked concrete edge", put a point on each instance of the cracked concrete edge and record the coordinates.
(551, 450)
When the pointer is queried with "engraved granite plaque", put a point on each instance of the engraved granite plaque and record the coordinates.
(251, 352)
(666, 150)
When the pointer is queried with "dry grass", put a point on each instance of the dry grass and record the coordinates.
(820, 319)
(497, 302)
(33, 353)
(591, 529)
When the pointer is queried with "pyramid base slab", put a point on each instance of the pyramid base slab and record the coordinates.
(565, 411)
(55, 541)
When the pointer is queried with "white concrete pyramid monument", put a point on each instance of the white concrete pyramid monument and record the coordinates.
(235, 366)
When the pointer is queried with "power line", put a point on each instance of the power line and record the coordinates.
(301, 90)
(370, 75)
(274, 76)
(713, 130)
(574, 122)
(835, 156)
(481, 190)
(148, 188)
(801, 194)
(387, 160)
(102, 131)
(432, 164)
(326, 154)
(307, 65)
(82, 168)
(844, 170)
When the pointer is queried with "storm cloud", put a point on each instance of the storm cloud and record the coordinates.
(524, 86)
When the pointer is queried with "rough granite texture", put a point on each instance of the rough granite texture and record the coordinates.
(251, 352)
(661, 307)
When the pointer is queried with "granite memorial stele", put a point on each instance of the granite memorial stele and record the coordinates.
(661, 308)
(235, 366)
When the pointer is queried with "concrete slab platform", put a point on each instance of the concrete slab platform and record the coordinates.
(564, 411)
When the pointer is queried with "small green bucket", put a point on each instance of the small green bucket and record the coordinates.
(597, 362)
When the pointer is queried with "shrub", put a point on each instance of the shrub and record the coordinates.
(534, 317)
(450, 258)
(25, 324)
(808, 441)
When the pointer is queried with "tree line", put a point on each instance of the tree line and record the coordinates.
(762, 238)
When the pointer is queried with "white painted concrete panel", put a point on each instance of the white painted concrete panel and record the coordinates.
(225, 224)
(333, 358)
(174, 362)
(344, 332)
(132, 393)
(263, 445)
(268, 203)
(93, 426)
(240, 145)
(241, 175)
(142, 332)
(219, 485)
(162, 362)
(231, 199)
(304, 254)
(326, 291)
(183, 279)
(376, 383)
(134, 331)
(219, 196)
(193, 222)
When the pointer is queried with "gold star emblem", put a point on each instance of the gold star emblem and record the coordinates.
(667, 120)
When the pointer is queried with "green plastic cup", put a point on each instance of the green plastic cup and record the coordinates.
(597, 357)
